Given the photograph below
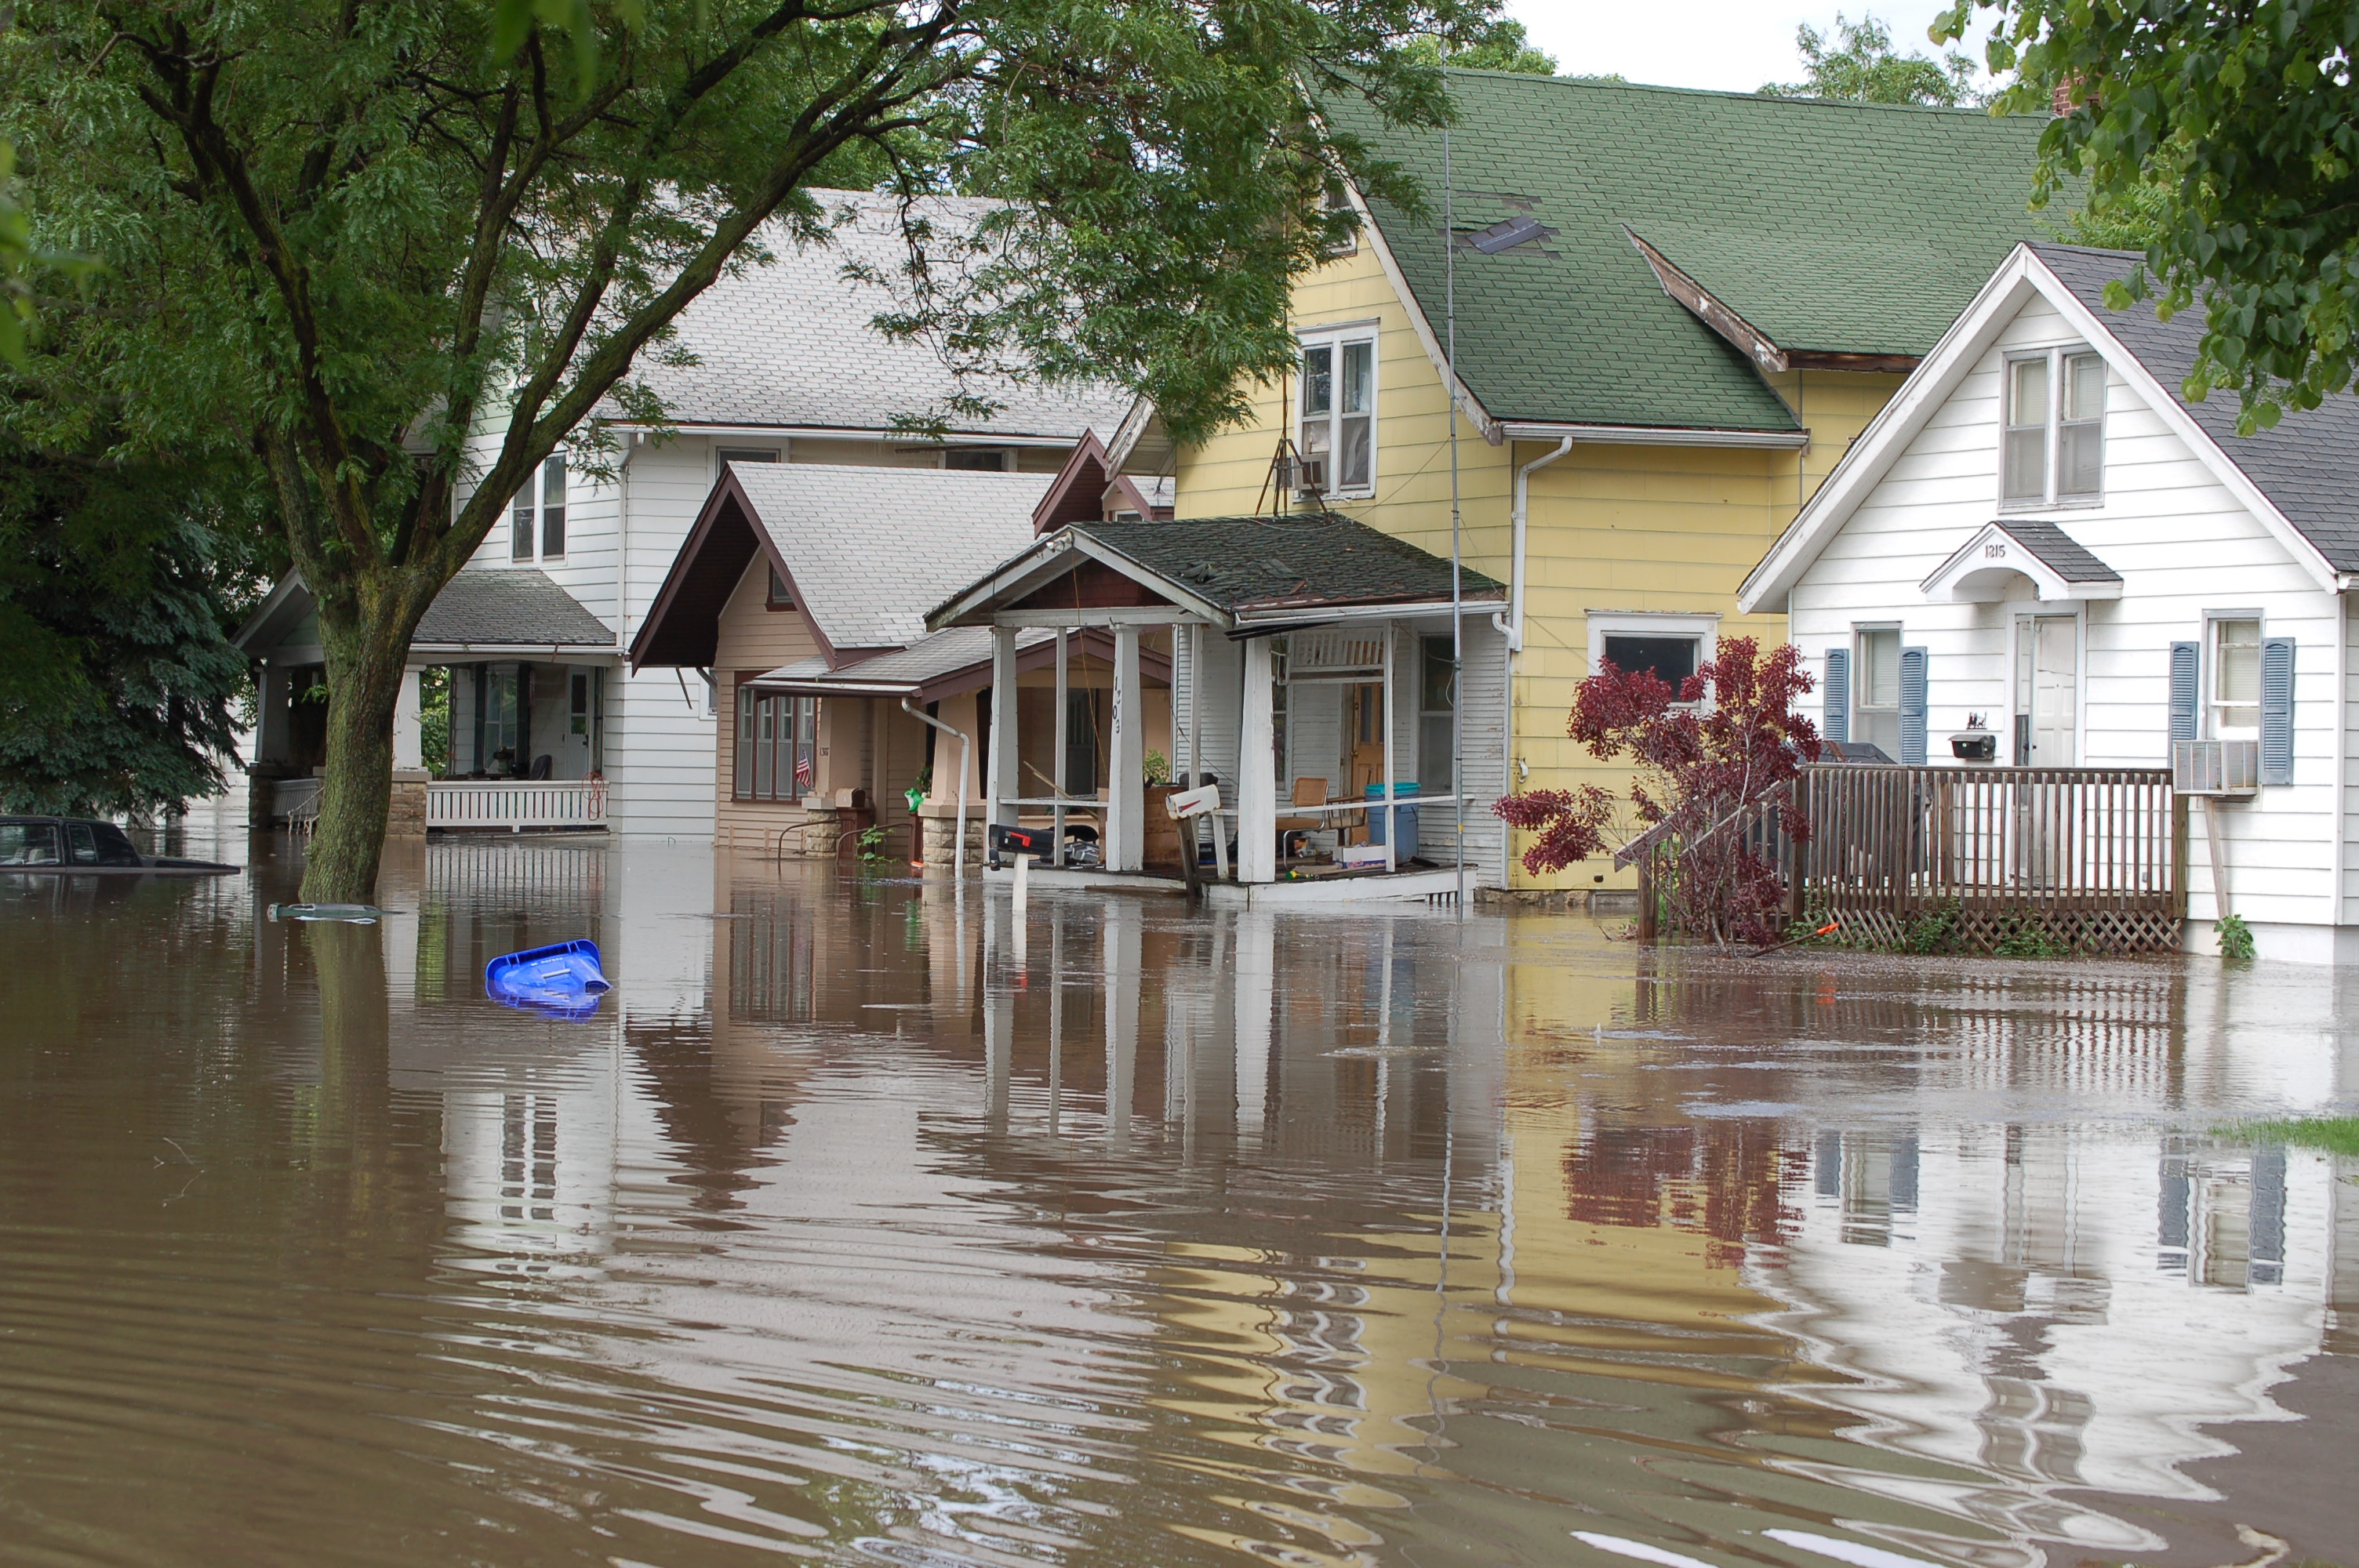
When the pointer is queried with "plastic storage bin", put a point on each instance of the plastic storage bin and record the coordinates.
(1379, 830)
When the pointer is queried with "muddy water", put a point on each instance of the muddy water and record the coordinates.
(865, 1224)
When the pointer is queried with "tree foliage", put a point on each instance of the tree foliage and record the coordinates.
(1857, 62)
(2225, 137)
(349, 236)
(1487, 43)
(1727, 738)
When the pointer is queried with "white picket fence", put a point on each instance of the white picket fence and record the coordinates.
(516, 803)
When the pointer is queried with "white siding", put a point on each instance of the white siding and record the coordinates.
(2183, 546)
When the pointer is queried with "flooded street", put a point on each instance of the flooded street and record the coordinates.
(867, 1224)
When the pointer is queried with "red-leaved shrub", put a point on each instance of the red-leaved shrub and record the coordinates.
(1727, 738)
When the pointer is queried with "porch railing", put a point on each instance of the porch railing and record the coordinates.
(515, 803)
(295, 801)
(2093, 857)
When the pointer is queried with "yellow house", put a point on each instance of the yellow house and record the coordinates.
(1668, 313)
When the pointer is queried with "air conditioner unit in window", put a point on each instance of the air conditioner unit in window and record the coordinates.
(1307, 477)
(2231, 768)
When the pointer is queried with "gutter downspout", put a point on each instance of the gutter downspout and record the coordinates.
(958, 850)
(1510, 623)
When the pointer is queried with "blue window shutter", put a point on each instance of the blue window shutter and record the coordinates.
(1838, 724)
(2186, 665)
(1913, 661)
(2276, 710)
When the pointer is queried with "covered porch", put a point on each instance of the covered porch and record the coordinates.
(1315, 676)
(501, 721)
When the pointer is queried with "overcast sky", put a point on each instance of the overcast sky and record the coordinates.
(1732, 45)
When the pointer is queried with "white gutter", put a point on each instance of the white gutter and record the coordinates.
(1513, 623)
(896, 438)
(957, 844)
(1657, 436)
(1293, 617)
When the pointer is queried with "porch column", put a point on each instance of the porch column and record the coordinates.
(1392, 750)
(1002, 782)
(1256, 772)
(1060, 765)
(270, 742)
(1127, 773)
(409, 723)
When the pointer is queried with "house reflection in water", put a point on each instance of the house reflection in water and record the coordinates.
(1368, 1236)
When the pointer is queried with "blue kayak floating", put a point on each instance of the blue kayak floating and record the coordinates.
(565, 979)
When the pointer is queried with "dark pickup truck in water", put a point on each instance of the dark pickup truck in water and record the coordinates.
(53, 844)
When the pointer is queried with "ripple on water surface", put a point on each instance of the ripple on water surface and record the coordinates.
(870, 1225)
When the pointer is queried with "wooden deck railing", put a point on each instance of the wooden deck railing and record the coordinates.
(2095, 857)
(516, 803)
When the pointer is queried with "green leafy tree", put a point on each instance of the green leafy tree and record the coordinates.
(1857, 62)
(1488, 43)
(363, 231)
(118, 684)
(2224, 143)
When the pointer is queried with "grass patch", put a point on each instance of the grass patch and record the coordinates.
(2335, 1134)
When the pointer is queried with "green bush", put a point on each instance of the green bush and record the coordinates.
(2027, 937)
(2235, 938)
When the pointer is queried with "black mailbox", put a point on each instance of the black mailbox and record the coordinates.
(1974, 746)
(1004, 840)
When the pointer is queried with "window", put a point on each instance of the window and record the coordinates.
(113, 849)
(29, 844)
(1670, 659)
(726, 454)
(978, 460)
(2235, 690)
(579, 717)
(776, 742)
(1336, 202)
(1339, 410)
(1876, 689)
(2053, 451)
(539, 508)
(1436, 703)
(781, 597)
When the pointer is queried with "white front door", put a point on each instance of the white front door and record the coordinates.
(2046, 690)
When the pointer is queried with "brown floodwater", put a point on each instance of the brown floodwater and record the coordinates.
(868, 1223)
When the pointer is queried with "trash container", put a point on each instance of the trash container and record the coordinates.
(1405, 816)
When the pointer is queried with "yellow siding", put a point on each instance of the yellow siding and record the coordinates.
(1612, 528)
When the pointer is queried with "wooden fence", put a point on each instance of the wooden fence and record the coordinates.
(2093, 857)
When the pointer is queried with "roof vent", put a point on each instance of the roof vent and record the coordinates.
(1507, 234)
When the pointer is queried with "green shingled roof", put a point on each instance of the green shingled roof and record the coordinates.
(1847, 228)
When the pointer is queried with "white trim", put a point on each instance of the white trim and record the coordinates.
(1337, 340)
(1129, 616)
(889, 437)
(2018, 611)
(1656, 435)
(1976, 571)
(1870, 456)
(1602, 623)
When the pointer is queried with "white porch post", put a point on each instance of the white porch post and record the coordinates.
(1195, 706)
(1064, 743)
(1002, 783)
(409, 723)
(1391, 817)
(1257, 773)
(1126, 770)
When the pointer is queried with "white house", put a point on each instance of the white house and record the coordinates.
(778, 362)
(2040, 532)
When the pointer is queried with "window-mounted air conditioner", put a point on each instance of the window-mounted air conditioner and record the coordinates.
(2215, 767)
(1307, 477)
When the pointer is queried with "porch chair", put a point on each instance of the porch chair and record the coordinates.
(1307, 792)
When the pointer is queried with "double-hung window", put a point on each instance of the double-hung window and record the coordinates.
(2053, 452)
(2234, 705)
(538, 513)
(1876, 689)
(1337, 425)
(778, 739)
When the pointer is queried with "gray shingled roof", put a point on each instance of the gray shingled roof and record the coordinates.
(2065, 555)
(871, 550)
(790, 342)
(518, 605)
(2307, 466)
(929, 659)
(1273, 563)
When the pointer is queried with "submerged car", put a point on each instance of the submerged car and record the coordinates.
(78, 845)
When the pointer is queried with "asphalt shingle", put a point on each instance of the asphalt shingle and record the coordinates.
(872, 549)
(1266, 563)
(2064, 554)
(1842, 228)
(511, 605)
(2308, 465)
(791, 341)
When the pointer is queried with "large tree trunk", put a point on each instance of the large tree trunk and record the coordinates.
(366, 655)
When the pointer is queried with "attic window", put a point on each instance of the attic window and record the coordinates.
(1507, 234)
(781, 597)
(978, 460)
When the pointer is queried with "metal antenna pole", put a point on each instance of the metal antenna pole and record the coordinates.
(1457, 584)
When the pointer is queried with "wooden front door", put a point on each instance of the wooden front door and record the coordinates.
(1363, 738)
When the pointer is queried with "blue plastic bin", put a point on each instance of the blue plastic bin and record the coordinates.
(1405, 815)
(565, 979)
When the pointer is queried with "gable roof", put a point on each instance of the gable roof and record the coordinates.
(2299, 480)
(2058, 551)
(2308, 464)
(1839, 228)
(864, 550)
(1236, 570)
(482, 607)
(791, 342)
